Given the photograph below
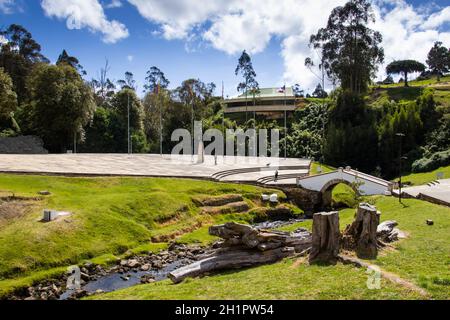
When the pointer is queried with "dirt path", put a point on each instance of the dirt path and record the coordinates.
(387, 275)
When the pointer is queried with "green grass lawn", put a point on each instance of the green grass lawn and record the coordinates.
(109, 217)
(426, 177)
(423, 258)
(115, 217)
(325, 168)
(398, 92)
(418, 83)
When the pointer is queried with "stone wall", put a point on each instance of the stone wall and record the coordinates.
(22, 145)
(308, 200)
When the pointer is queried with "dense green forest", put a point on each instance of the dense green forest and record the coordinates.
(358, 124)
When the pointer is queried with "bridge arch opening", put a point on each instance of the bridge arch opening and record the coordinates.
(327, 191)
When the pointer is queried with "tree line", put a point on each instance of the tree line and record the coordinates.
(368, 137)
(55, 103)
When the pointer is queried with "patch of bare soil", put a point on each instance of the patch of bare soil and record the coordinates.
(175, 234)
(14, 209)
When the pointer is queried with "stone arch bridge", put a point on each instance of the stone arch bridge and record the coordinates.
(363, 183)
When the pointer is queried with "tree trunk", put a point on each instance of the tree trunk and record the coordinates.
(361, 235)
(406, 79)
(325, 238)
(230, 260)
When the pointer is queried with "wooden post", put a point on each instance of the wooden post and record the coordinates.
(325, 238)
(362, 233)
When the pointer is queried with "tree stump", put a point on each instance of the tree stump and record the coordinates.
(325, 238)
(361, 235)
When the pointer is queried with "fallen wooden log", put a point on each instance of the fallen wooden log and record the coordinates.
(245, 246)
(240, 234)
(230, 260)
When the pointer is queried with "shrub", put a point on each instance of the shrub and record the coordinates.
(438, 159)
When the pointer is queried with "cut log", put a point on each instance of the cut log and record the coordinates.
(240, 234)
(230, 260)
(361, 235)
(245, 246)
(325, 238)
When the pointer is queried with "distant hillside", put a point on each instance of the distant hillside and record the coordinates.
(399, 93)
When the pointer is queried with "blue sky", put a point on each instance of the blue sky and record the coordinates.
(203, 39)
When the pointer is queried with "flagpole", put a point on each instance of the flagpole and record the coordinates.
(285, 124)
(128, 112)
(223, 118)
(254, 108)
(160, 123)
(192, 123)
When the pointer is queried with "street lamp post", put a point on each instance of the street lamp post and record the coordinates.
(75, 142)
(128, 133)
(285, 124)
(158, 102)
(192, 124)
(400, 158)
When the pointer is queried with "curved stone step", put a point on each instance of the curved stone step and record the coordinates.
(234, 207)
(207, 201)
(222, 174)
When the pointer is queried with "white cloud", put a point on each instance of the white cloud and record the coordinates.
(437, 19)
(178, 17)
(86, 14)
(409, 34)
(6, 6)
(233, 33)
(3, 40)
(114, 4)
(130, 58)
(234, 25)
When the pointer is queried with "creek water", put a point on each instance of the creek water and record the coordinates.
(115, 281)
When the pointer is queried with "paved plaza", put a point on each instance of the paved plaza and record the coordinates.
(239, 169)
(437, 191)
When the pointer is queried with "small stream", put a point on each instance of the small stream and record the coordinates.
(119, 280)
(119, 277)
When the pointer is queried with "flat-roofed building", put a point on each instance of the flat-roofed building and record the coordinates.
(269, 102)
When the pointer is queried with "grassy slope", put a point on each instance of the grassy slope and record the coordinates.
(422, 83)
(400, 93)
(284, 280)
(110, 216)
(423, 258)
(426, 177)
(324, 167)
